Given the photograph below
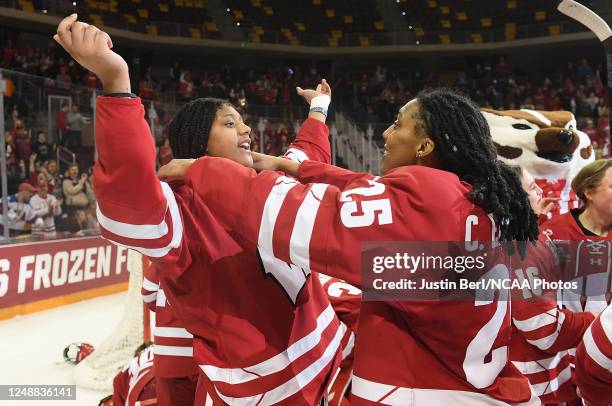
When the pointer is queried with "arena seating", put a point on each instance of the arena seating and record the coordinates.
(325, 23)
(443, 21)
(330, 21)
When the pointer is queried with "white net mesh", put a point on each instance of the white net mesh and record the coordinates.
(98, 370)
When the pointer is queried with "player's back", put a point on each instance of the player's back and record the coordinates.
(426, 352)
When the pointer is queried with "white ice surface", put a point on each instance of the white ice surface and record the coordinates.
(31, 346)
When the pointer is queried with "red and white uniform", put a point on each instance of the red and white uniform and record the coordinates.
(136, 381)
(258, 338)
(173, 343)
(562, 189)
(542, 333)
(406, 353)
(594, 361)
(346, 301)
(590, 262)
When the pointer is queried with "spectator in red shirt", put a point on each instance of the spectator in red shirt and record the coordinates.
(22, 141)
(8, 53)
(591, 131)
(145, 87)
(61, 122)
(90, 80)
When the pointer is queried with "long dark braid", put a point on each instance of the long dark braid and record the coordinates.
(190, 127)
(463, 145)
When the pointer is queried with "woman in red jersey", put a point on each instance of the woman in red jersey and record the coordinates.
(593, 185)
(542, 333)
(258, 336)
(442, 182)
(587, 234)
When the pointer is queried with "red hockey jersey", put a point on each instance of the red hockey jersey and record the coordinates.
(346, 301)
(542, 333)
(594, 361)
(589, 260)
(173, 343)
(562, 189)
(135, 382)
(257, 338)
(406, 352)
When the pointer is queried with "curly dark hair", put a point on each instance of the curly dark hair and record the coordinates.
(464, 146)
(190, 127)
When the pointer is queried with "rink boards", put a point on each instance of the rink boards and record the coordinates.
(41, 275)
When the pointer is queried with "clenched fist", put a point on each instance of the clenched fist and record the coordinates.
(92, 49)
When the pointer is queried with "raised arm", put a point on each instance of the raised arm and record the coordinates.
(312, 141)
(135, 209)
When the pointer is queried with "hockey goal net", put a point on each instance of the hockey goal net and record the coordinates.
(98, 370)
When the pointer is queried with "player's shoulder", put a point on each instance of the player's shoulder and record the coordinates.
(425, 181)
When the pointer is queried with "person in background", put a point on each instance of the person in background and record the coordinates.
(591, 131)
(54, 178)
(90, 80)
(17, 174)
(22, 139)
(61, 123)
(73, 187)
(591, 224)
(11, 157)
(92, 219)
(42, 149)
(19, 210)
(541, 205)
(78, 222)
(44, 207)
(75, 127)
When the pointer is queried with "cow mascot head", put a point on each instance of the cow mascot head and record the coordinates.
(547, 145)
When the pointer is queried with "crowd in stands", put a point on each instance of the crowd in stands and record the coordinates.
(43, 198)
(578, 88)
(369, 97)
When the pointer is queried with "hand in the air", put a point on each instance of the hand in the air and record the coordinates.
(91, 48)
(323, 88)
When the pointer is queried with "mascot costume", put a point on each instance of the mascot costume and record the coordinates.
(545, 143)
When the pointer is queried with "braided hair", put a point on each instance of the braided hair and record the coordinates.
(190, 128)
(464, 147)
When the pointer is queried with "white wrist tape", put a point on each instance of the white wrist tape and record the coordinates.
(321, 101)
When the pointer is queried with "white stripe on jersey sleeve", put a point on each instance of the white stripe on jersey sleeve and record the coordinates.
(546, 342)
(148, 285)
(135, 231)
(295, 384)
(537, 321)
(173, 350)
(533, 367)
(278, 362)
(173, 332)
(296, 155)
(595, 352)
